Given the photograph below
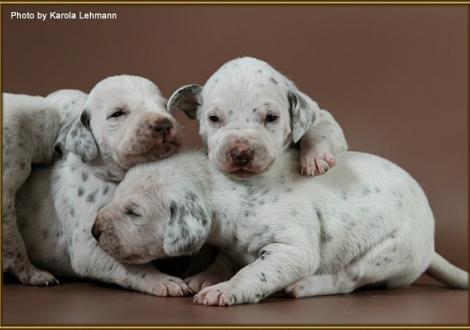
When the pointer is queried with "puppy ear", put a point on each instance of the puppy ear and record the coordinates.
(302, 111)
(187, 229)
(80, 139)
(187, 98)
(59, 145)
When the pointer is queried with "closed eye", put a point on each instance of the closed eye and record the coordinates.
(271, 118)
(118, 112)
(132, 213)
(214, 118)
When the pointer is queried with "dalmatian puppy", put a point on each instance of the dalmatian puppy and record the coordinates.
(365, 222)
(33, 127)
(124, 121)
(243, 112)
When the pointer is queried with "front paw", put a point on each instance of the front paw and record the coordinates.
(202, 280)
(316, 163)
(170, 286)
(221, 294)
(36, 277)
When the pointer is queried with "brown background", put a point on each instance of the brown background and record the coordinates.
(395, 77)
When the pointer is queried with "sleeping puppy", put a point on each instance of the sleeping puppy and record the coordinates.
(365, 222)
(249, 113)
(123, 121)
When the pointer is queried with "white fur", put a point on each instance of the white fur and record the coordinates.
(57, 206)
(33, 127)
(366, 221)
(241, 94)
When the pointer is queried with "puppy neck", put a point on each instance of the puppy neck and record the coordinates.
(99, 167)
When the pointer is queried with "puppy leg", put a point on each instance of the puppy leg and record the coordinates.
(319, 145)
(89, 261)
(271, 272)
(15, 257)
(390, 263)
(222, 269)
(318, 285)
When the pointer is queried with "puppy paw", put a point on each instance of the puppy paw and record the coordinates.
(202, 280)
(314, 163)
(295, 290)
(217, 295)
(37, 277)
(170, 286)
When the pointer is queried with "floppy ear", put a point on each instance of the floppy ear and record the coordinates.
(59, 145)
(187, 229)
(187, 98)
(80, 139)
(302, 111)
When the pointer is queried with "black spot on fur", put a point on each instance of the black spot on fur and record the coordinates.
(91, 197)
(262, 277)
(84, 176)
(273, 80)
(81, 191)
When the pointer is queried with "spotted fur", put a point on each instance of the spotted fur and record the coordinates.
(33, 134)
(308, 240)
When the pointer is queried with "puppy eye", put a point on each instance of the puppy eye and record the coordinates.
(132, 212)
(214, 118)
(270, 118)
(118, 112)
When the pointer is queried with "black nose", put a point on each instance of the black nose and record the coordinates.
(96, 232)
(161, 125)
(241, 157)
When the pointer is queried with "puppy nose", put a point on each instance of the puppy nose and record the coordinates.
(96, 232)
(161, 125)
(241, 156)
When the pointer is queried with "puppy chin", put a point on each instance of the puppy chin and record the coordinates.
(155, 152)
(136, 259)
(246, 172)
(118, 253)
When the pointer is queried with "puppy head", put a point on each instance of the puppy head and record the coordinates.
(125, 121)
(149, 219)
(248, 114)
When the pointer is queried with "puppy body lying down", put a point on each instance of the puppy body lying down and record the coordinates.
(123, 121)
(366, 221)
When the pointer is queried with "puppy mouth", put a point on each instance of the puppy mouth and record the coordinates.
(245, 172)
(154, 152)
(242, 173)
(163, 149)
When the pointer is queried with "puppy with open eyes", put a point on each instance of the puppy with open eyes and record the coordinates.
(365, 222)
(123, 122)
(242, 111)
(249, 114)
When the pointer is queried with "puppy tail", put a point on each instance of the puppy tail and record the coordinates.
(443, 271)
